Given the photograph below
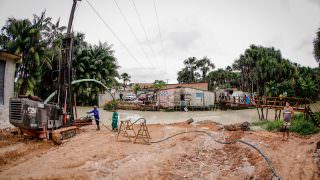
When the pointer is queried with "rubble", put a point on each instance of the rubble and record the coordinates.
(245, 126)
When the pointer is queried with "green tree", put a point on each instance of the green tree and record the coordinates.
(191, 67)
(316, 47)
(25, 38)
(260, 65)
(125, 78)
(204, 65)
(136, 88)
(221, 78)
(184, 76)
(94, 62)
(307, 82)
(158, 84)
(53, 34)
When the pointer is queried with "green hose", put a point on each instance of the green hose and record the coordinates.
(76, 82)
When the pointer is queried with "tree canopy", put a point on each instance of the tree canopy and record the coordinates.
(195, 70)
(39, 43)
(125, 78)
(158, 84)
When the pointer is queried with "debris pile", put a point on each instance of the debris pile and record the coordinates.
(245, 126)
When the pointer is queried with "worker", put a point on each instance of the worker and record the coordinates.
(115, 118)
(287, 115)
(95, 113)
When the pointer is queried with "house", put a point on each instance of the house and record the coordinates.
(178, 97)
(7, 72)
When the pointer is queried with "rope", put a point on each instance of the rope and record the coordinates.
(269, 163)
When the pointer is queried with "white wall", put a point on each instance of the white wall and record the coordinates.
(8, 93)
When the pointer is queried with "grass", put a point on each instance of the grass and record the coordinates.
(299, 125)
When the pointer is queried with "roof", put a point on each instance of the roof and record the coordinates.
(200, 86)
(4, 55)
(185, 87)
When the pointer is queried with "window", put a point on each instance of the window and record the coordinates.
(2, 69)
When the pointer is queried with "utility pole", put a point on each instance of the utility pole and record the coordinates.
(65, 72)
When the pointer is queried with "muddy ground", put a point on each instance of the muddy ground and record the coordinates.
(97, 155)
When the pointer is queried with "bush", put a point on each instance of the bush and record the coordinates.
(111, 105)
(303, 126)
(299, 125)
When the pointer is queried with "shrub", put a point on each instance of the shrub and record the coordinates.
(111, 105)
(303, 126)
(299, 125)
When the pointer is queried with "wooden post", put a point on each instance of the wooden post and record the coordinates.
(75, 105)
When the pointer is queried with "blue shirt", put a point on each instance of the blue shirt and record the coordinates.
(95, 113)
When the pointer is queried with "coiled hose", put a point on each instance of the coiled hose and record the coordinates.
(274, 173)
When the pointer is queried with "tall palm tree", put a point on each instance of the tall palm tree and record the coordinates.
(316, 47)
(191, 65)
(126, 78)
(205, 65)
(24, 37)
(53, 35)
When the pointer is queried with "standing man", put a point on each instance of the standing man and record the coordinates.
(95, 113)
(287, 116)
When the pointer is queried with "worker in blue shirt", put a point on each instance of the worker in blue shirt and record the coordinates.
(95, 113)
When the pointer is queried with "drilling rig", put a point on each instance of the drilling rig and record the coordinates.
(55, 120)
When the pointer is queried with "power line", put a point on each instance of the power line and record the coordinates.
(160, 34)
(144, 29)
(113, 33)
(133, 33)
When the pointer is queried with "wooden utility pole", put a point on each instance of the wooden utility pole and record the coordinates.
(65, 72)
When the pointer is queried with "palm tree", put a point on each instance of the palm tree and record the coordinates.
(316, 47)
(191, 65)
(126, 78)
(94, 62)
(184, 76)
(53, 34)
(24, 37)
(205, 65)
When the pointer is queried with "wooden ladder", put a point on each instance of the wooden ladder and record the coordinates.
(126, 127)
(143, 134)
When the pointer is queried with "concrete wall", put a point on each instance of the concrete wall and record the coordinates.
(106, 97)
(166, 97)
(193, 97)
(8, 93)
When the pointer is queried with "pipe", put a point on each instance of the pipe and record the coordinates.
(49, 98)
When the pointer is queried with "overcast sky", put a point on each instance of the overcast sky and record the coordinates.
(219, 29)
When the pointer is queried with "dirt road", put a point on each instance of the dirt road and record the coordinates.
(97, 155)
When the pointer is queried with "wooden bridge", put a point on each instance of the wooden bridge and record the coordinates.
(264, 104)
